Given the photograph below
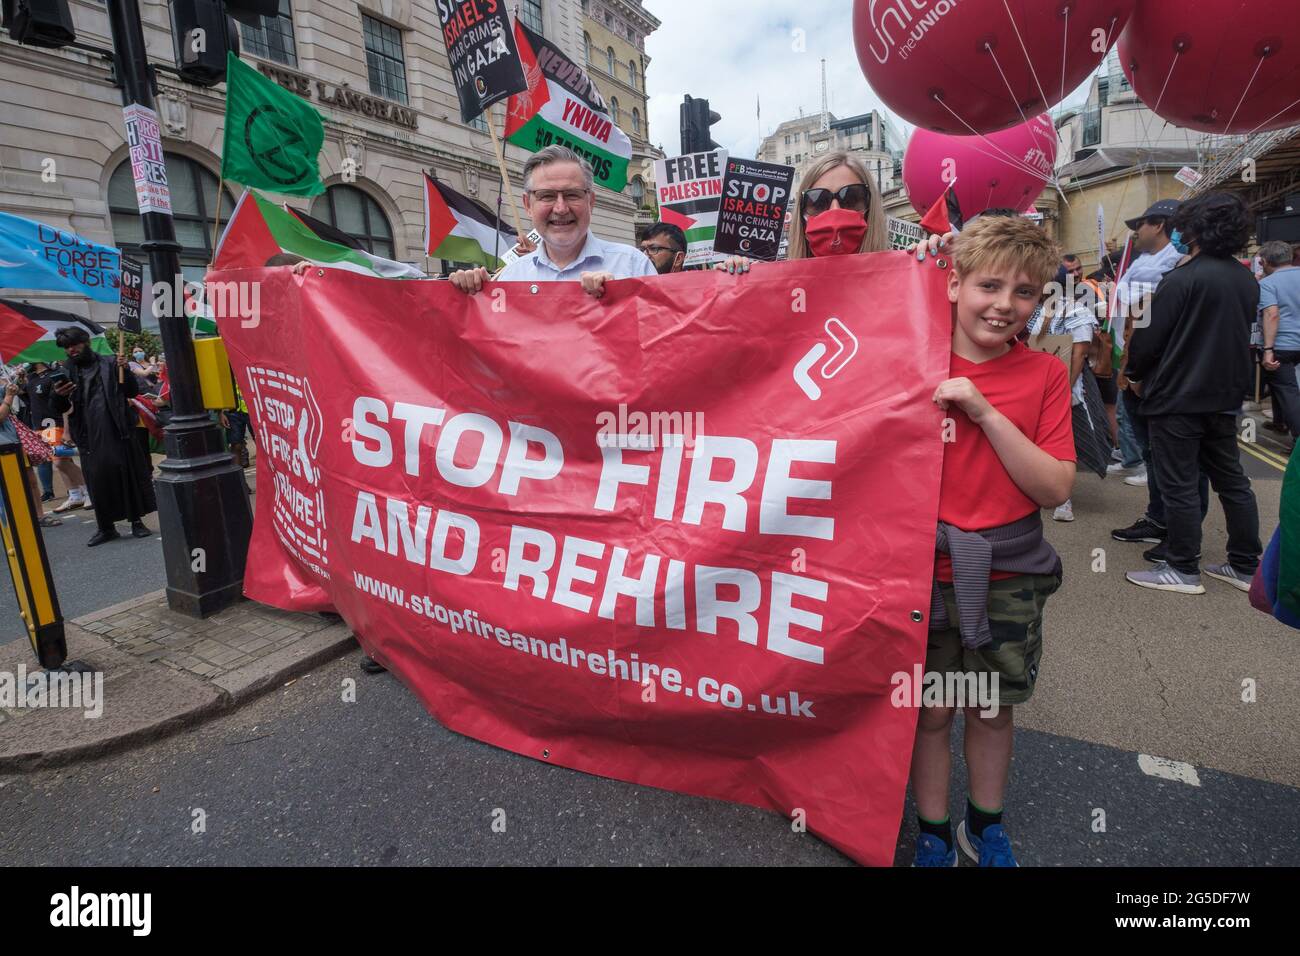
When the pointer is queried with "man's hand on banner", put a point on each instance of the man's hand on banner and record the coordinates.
(962, 393)
(593, 283)
(469, 280)
(300, 268)
(736, 265)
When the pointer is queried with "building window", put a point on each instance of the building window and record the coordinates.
(636, 121)
(1092, 126)
(273, 40)
(349, 209)
(631, 73)
(530, 13)
(586, 48)
(194, 200)
(613, 108)
(638, 190)
(384, 60)
(479, 122)
(609, 53)
(787, 160)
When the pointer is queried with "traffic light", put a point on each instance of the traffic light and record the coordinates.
(201, 34)
(252, 11)
(696, 120)
(45, 23)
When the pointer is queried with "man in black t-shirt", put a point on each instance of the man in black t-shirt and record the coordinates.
(1192, 364)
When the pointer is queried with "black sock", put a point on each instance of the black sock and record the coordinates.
(942, 830)
(977, 819)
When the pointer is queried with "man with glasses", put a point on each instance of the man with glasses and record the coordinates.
(665, 245)
(559, 196)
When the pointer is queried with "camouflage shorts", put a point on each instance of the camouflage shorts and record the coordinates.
(1016, 621)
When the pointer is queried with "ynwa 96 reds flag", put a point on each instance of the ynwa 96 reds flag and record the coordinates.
(675, 536)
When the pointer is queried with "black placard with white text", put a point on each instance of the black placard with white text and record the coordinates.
(752, 213)
(132, 289)
(484, 58)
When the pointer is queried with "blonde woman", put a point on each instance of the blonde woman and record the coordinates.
(838, 212)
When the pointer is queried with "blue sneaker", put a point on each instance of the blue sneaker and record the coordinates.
(931, 851)
(992, 849)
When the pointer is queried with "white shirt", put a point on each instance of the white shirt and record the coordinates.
(597, 255)
(1079, 322)
(1142, 277)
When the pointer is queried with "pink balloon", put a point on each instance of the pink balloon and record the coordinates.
(990, 170)
(931, 59)
(1219, 46)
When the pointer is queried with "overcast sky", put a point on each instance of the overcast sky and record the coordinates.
(730, 53)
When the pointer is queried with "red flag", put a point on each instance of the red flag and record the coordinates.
(587, 559)
(945, 215)
(17, 332)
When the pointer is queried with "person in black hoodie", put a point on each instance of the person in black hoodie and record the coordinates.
(1193, 366)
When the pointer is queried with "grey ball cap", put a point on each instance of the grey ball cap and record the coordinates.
(1165, 208)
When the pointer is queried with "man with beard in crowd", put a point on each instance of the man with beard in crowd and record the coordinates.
(665, 246)
(103, 424)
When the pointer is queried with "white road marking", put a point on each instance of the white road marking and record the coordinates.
(1168, 769)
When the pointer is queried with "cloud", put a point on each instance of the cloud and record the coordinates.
(737, 55)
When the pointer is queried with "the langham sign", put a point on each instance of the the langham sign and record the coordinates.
(341, 97)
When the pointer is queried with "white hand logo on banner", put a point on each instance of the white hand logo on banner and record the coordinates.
(833, 366)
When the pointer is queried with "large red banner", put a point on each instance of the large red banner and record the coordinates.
(682, 535)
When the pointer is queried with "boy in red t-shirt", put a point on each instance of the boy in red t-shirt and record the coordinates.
(1009, 453)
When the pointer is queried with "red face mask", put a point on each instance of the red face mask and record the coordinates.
(835, 232)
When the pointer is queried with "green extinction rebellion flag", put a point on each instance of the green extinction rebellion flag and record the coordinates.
(272, 136)
(562, 105)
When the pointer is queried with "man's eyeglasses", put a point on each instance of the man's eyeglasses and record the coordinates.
(548, 197)
(855, 196)
(653, 250)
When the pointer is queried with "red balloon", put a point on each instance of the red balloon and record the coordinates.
(1219, 46)
(940, 64)
(989, 169)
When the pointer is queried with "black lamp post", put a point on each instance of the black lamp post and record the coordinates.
(203, 507)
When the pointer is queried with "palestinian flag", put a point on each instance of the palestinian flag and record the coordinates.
(259, 229)
(459, 229)
(27, 333)
(562, 105)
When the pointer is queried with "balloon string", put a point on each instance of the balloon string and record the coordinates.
(1065, 46)
(1244, 92)
(1025, 50)
(988, 48)
(1009, 159)
(1146, 120)
(1293, 103)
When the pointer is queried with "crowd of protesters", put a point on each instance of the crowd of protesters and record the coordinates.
(96, 420)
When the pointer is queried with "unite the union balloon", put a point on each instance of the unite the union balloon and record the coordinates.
(1004, 169)
(1219, 66)
(976, 66)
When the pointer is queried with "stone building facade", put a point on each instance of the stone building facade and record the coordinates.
(376, 71)
(613, 46)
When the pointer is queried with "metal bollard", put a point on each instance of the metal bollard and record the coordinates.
(38, 604)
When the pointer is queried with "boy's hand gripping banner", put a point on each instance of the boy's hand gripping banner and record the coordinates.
(682, 535)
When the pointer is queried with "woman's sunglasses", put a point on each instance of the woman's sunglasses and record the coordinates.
(854, 196)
